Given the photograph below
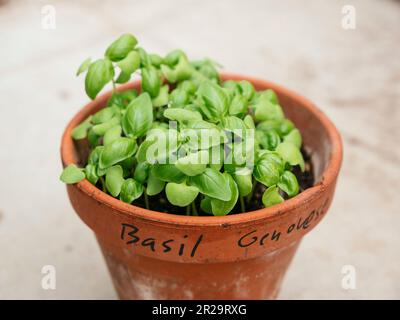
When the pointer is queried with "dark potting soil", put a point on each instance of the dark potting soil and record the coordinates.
(161, 204)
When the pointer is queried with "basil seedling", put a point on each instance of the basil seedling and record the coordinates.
(187, 139)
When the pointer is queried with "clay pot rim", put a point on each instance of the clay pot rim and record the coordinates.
(275, 212)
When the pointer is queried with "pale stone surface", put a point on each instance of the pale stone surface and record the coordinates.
(352, 75)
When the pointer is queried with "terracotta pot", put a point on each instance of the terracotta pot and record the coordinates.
(155, 255)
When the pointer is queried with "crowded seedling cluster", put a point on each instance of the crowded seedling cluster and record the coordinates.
(187, 136)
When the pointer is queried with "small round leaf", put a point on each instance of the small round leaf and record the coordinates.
(72, 174)
(271, 196)
(180, 194)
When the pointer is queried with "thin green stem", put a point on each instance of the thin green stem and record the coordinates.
(146, 200)
(242, 204)
(248, 198)
(188, 210)
(194, 209)
(103, 184)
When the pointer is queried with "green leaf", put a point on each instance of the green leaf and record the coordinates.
(114, 180)
(206, 68)
(104, 115)
(130, 190)
(214, 98)
(274, 157)
(151, 81)
(182, 115)
(128, 95)
(138, 117)
(80, 131)
(291, 154)
(222, 208)
(101, 128)
(141, 172)
(84, 66)
(112, 134)
(162, 98)
(269, 95)
(180, 194)
(120, 48)
(154, 185)
(285, 127)
(238, 105)
(266, 110)
(101, 172)
(117, 100)
(268, 140)
(93, 138)
(267, 172)
(249, 122)
(181, 71)
(94, 156)
(243, 179)
(217, 155)
(240, 153)
(196, 138)
(271, 156)
(119, 150)
(247, 89)
(99, 74)
(212, 183)
(205, 205)
(123, 77)
(130, 63)
(142, 155)
(294, 137)
(145, 59)
(155, 59)
(268, 125)
(72, 174)
(159, 145)
(178, 98)
(167, 173)
(173, 57)
(288, 183)
(91, 173)
(127, 166)
(235, 125)
(232, 86)
(188, 86)
(194, 163)
(271, 196)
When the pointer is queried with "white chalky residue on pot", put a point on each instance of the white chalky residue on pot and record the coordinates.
(271, 254)
(241, 287)
(188, 294)
(148, 288)
(134, 285)
(140, 285)
(144, 290)
(122, 275)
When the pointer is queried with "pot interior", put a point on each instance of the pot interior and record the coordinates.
(316, 140)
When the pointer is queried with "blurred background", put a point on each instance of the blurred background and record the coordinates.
(349, 68)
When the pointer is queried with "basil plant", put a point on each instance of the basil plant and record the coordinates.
(187, 137)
